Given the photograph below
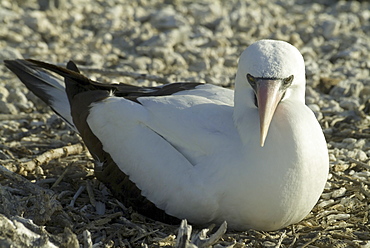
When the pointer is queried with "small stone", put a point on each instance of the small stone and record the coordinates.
(230, 61)
(332, 106)
(38, 22)
(205, 14)
(357, 144)
(167, 18)
(349, 140)
(161, 52)
(350, 53)
(4, 93)
(10, 53)
(330, 28)
(176, 36)
(327, 203)
(175, 59)
(94, 59)
(295, 40)
(332, 157)
(339, 192)
(314, 107)
(336, 217)
(327, 83)
(349, 104)
(51, 4)
(38, 48)
(12, 36)
(312, 68)
(359, 155)
(200, 65)
(341, 167)
(157, 65)
(17, 96)
(355, 89)
(141, 63)
(140, 14)
(7, 108)
(224, 29)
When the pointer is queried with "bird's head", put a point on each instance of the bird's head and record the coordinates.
(269, 72)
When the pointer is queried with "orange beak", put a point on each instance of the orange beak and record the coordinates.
(269, 94)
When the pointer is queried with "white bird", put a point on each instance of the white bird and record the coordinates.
(256, 157)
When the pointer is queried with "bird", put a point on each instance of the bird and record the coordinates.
(255, 156)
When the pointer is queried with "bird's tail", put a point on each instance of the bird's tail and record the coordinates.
(44, 84)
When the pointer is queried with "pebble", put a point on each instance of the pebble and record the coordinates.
(357, 154)
(37, 21)
(167, 18)
(330, 27)
(4, 93)
(332, 106)
(339, 192)
(140, 63)
(8, 108)
(349, 104)
(198, 65)
(352, 143)
(10, 53)
(337, 217)
(324, 204)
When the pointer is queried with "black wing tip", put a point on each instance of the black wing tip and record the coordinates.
(10, 60)
(72, 66)
(20, 64)
(17, 66)
(8, 63)
(11, 63)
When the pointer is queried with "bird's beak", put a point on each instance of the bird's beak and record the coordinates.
(269, 94)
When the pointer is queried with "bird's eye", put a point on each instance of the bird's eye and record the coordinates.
(251, 79)
(288, 81)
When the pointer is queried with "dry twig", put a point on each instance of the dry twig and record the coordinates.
(76, 195)
(362, 164)
(60, 178)
(283, 235)
(87, 239)
(50, 155)
(90, 193)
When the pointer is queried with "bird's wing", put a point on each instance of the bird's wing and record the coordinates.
(160, 141)
(196, 122)
(44, 85)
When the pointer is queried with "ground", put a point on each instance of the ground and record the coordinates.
(49, 196)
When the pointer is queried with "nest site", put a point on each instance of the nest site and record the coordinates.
(49, 196)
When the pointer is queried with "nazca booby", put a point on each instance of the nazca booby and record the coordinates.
(255, 157)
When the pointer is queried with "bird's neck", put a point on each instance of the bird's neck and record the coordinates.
(245, 115)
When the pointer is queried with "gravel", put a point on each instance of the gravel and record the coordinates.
(183, 41)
